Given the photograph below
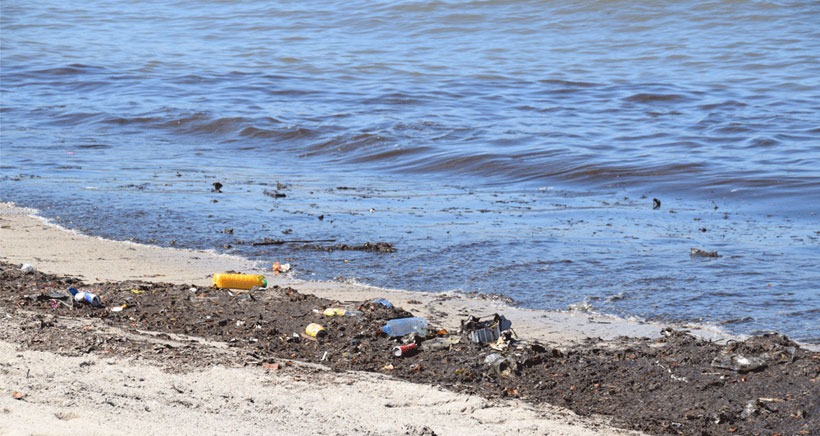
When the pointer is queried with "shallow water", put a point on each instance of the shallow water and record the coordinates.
(506, 147)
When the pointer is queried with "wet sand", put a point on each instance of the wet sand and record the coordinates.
(166, 365)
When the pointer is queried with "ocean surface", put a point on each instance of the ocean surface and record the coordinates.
(506, 147)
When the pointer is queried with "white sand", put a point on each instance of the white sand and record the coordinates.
(93, 395)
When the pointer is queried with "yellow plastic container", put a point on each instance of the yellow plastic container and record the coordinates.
(315, 330)
(334, 311)
(239, 281)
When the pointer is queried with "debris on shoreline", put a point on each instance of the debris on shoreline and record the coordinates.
(675, 384)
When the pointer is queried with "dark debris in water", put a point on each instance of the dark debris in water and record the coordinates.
(676, 384)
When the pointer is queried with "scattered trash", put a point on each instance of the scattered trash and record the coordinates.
(503, 342)
(438, 344)
(739, 363)
(697, 252)
(656, 204)
(753, 407)
(383, 302)
(85, 296)
(118, 308)
(504, 366)
(315, 330)
(340, 311)
(405, 350)
(27, 268)
(139, 291)
(239, 281)
(18, 395)
(404, 326)
(482, 332)
(217, 187)
(274, 366)
(281, 268)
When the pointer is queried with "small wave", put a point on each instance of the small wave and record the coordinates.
(743, 320)
(94, 146)
(723, 105)
(655, 98)
(123, 121)
(351, 147)
(70, 70)
(200, 122)
(568, 83)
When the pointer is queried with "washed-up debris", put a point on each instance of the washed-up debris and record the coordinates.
(501, 365)
(315, 330)
(656, 204)
(482, 332)
(405, 326)
(217, 187)
(754, 407)
(269, 241)
(27, 268)
(405, 350)
(238, 281)
(697, 252)
(85, 297)
(340, 311)
(274, 194)
(281, 267)
(17, 395)
(382, 302)
(440, 343)
(615, 378)
(739, 363)
(378, 247)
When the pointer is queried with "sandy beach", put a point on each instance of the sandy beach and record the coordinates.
(89, 395)
(49, 390)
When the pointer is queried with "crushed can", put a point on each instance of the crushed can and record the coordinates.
(404, 350)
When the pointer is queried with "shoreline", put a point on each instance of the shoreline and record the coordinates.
(304, 400)
(216, 360)
(28, 237)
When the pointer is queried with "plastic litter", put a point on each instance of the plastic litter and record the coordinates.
(504, 366)
(315, 330)
(383, 302)
(239, 281)
(281, 267)
(85, 296)
(404, 326)
(437, 344)
(340, 311)
(739, 363)
(27, 268)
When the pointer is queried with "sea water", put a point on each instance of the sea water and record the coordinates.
(508, 147)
